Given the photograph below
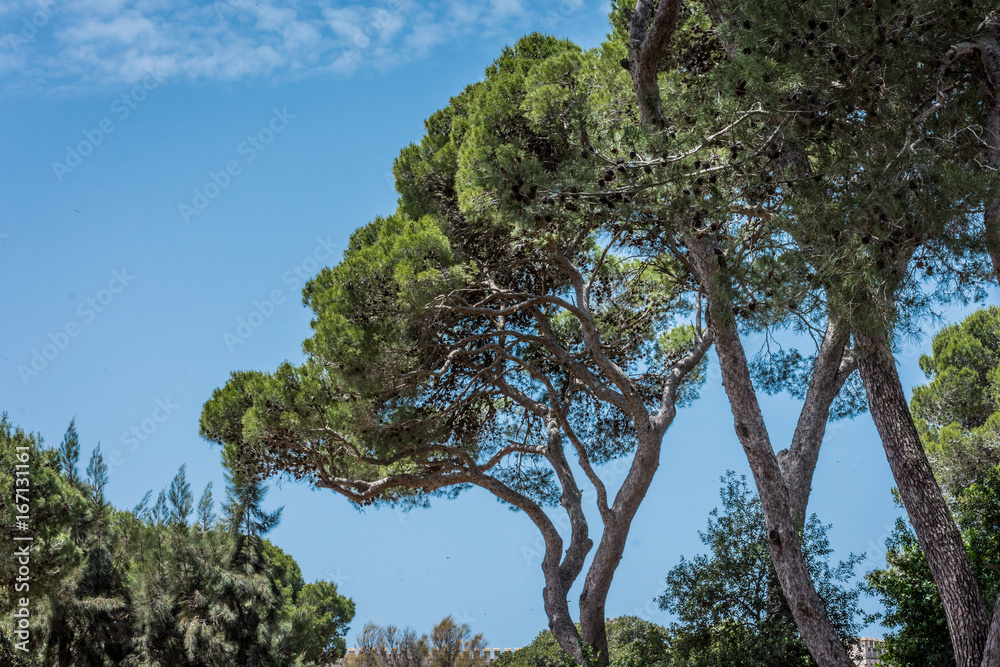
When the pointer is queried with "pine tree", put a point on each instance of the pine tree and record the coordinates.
(69, 453)
(97, 476)
(206, 515)
(247, 590)
(181, 500)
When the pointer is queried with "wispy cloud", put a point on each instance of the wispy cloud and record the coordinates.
(98, 43)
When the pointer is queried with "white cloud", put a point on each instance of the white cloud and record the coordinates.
(86, 43)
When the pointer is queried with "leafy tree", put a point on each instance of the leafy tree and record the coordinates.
(69, 453)
(180, 498)
(87, 617)
(326, 614)
(467, 341)
(867, 151)
(636, 642)
(455, 646)
(724, 601)
(250, 597)
(543, 651)
(771, 167)
(142, 587)
(205, 513)
(958, 411)
(55, 507)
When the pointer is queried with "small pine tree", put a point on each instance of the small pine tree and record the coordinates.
(69, 453)
(97, 475)
(206, 515)
(179, 495)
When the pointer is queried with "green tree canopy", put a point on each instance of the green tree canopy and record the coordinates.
(958, 411)
(727, 603)
(142, 586)
(489, 330)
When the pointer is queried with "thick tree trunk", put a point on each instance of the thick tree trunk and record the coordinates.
(782, 536)
(936, 531)
(556, 597)
(593, 598)
(991, 655)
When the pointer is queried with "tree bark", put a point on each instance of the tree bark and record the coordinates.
(618, 518)
(991, 655)
(593, 598)
(798, 462)
(806, 606)
(649, 35)
(936, 531)
(991, 212)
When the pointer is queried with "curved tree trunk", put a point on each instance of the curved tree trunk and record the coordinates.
(936, 531)
(609, 552)
(806, 606)
(556, 597)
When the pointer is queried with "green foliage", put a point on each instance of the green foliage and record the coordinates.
(728, 604)
(180, 497)
(394, 384)
(636, 642)
(540, 255)
(205, 513)
(788, 370)
(632, 642)
(543, 651)
(57, 506)
(326, 613)
(69, 453)
(913, 608)
(958, 411)
(143, 587)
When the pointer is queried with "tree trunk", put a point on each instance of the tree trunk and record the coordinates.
(593, 598)
(991, 655)
(807, 608)
(560, 622)
(936, 531)
(782, 535)
(798, 462)
(991, 212)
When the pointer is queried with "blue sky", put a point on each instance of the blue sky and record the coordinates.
(174, 170)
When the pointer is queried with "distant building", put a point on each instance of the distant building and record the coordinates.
(871, 652)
